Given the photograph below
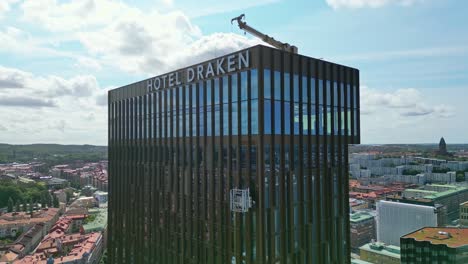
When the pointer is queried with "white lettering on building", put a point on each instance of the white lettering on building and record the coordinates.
(231, 63)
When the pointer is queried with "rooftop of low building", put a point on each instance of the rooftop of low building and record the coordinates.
(99, 222)
(451, 237)
(383, 249)
(359, 217)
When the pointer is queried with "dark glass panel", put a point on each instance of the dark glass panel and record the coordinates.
(244, 117)
(234, 88)
(225, 90)
(254, 116)
(243, 88)
(296, 88)
(287, 118)
(267, 116)
(277, 88)
(267, 83)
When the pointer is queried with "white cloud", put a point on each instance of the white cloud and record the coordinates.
(5, 5)
(127, 38)
(73, 15)
(112, 35)
(336, 4)
(406, 102)
(51, 109)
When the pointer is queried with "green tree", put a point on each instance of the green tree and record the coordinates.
(24, 207)
(43, 201)
(69, 194)
(30, 205)
(10, 205)
(49, 199)
(55, 201)
(17, 206)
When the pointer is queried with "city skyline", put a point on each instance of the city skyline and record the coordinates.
(60, 58)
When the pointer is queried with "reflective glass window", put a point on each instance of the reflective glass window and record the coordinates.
(243, 88)
(202, 120)
(234, 114)
(348, 98)
(253, 84)
(355, 96)
(244, 117)
(216, 91)
(305, 119)
(343, 124)
(313, 120)
(277, 108)
(335, 94)
(321, 120)
(349, 122)
(297, 119)
(267, 83)
(267, 116)
(287, 88)
(320, 92)
(208, 121)
(217, 120)
(336, 124)
(296, 88)
(329, 93)
(254, 116)
(225, 90)
(234, 88)
(287, 118)
(355, 122)
(225, 119)
(208, 92)
(304, 88)
(277, 88)
(312, 91)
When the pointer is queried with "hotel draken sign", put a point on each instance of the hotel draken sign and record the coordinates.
(223, 65)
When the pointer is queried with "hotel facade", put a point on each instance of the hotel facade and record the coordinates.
(240, 159)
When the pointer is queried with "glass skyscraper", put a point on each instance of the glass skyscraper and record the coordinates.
(275, 123)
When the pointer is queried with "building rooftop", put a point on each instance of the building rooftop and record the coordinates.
(451, 237)
(82, 246)
(359, 217)
(465, 204)
(433, 194)
(24, 218)
(358, 261)
(383, 249)
(99, 223)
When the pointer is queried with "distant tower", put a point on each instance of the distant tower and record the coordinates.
(442, 147)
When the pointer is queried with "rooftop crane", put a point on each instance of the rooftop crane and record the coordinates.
(275, 43)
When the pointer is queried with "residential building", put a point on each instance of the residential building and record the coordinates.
(99, 222)
(75, 248)
(380, 253)
(12, 223)
(61, 196)
(101, 196)
(464, 214)
(435, 245)
(362, 230)
(395, 219)
(451, 196)
(241, 158)
(28, 240)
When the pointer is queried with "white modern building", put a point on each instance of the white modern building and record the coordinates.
(396, 219)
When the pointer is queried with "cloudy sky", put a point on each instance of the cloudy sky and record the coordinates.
(58, 58)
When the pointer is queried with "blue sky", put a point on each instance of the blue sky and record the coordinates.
(58, 58)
